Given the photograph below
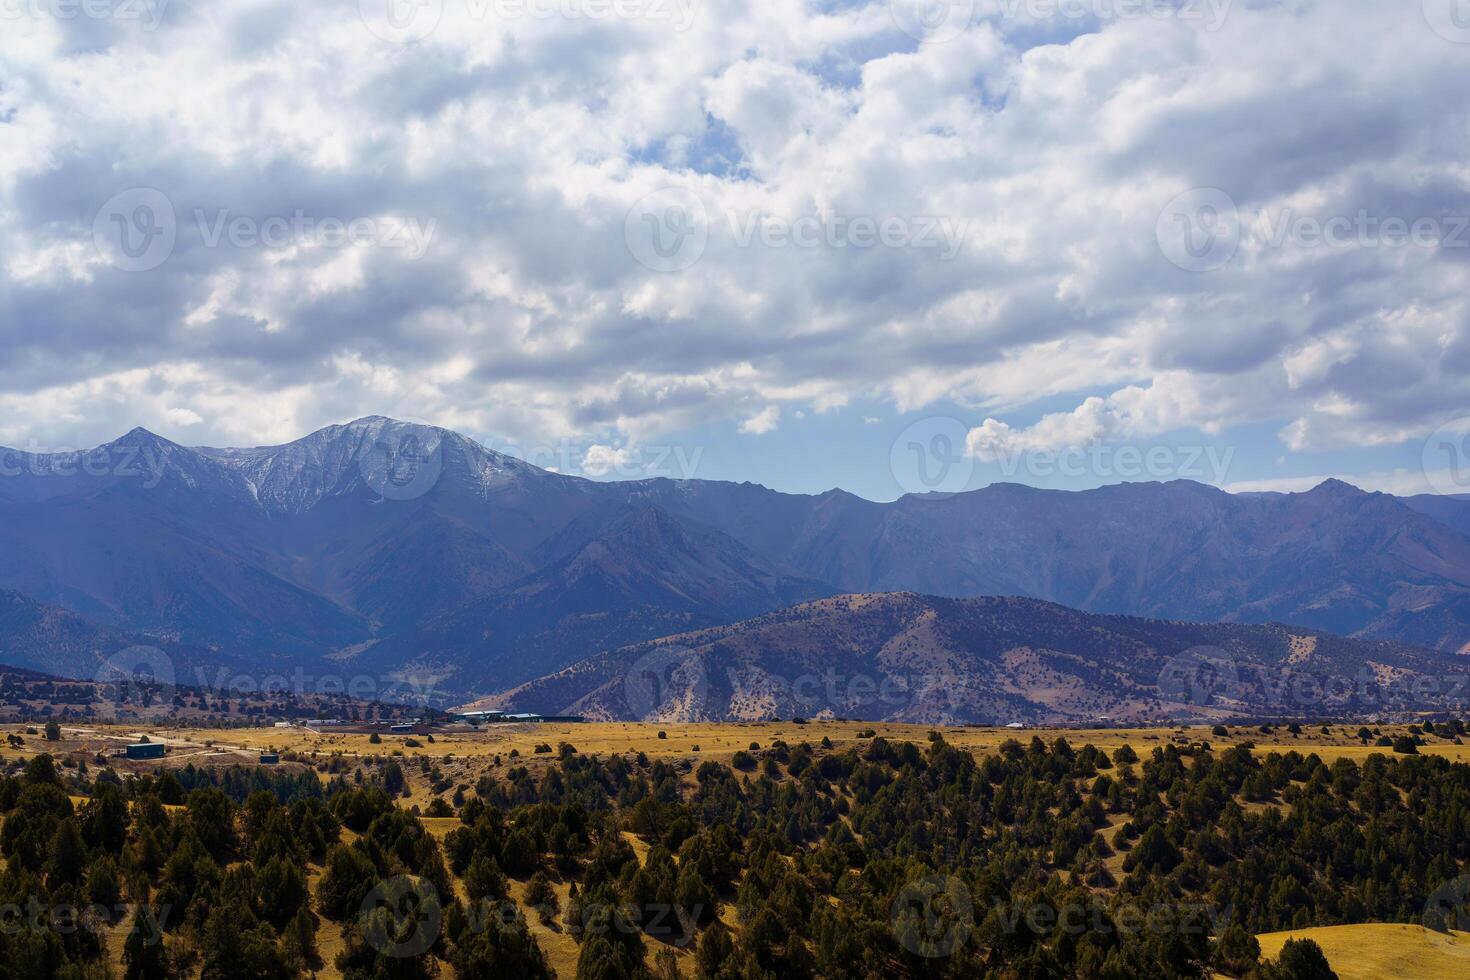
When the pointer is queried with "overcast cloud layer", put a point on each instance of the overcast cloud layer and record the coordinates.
(607, 222)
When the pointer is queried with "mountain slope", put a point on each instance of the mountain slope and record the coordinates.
(59, 643)
(145, 535)
(905, 657)
(1451, 511)
(1335, 558)
(645, 574)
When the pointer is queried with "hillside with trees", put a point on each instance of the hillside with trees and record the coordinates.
(886, 860)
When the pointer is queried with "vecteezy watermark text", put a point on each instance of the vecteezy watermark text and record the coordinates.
(65, 919)
(415, 21)
(937, 21)
(138, 230)
(143, 463)
(670, 229)
(1209, 464)
(300, 228)
(1207, 676)
(147, 14)
(1209, 15)
(934, 917)
(1202, 229)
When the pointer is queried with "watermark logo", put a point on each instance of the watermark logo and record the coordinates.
(141, 462)
(1450, 19)
(1208, 464)
(933, 21)
(402, 466)
(1200, 676)
(147, 14)
(414, 21)
(1199, 231)
(1446, 457)
(930, 457)
(66, 919)
(400, 918)
(411, 236)
(933, 917)
(663, 681)
(136, 230)
(1202, 230)
(1209, 15)
(1449, 907)
(668, 230)
(858, 232)
(401, 21)
(1362, 229)
(857, 695)
(626, 462)
(140, 679)
(409, 688)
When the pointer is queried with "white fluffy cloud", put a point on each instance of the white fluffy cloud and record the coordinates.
(823, 163)
(762, 422)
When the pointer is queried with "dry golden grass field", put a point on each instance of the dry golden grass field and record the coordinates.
(719, 740)
(464, 755)
(1383, 952)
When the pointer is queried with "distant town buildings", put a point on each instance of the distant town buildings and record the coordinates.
(502, 718)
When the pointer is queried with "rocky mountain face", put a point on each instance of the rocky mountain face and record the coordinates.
(910, 658)
(386, 547)
(59, 643)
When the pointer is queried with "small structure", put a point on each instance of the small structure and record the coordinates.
(402, 729)
(270, 758)
(146, 750)
(1016, 726)
(481, 717)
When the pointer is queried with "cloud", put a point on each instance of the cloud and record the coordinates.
(602, 460)
(1170, 403)
(763, 422)
(528, 144)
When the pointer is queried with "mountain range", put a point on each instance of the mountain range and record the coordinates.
(387, 548)
(901, 657)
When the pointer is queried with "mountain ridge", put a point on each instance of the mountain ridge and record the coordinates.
(383, 544)
(902, 657)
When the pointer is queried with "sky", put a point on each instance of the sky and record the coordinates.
(894, 247)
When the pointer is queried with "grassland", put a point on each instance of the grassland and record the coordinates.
(717, 740)
(1377, 951)
(465, 755)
